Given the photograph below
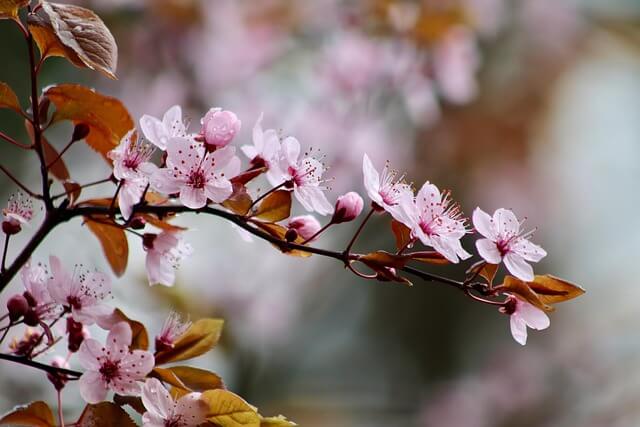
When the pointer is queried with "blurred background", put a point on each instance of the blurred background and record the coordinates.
(532, 105)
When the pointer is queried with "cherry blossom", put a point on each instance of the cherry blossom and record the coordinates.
(160, 132)
(165, 251)
(306, 226)
(303, 175)
(437, 222)
(163, 411)
(387, 191)
(131, 166)
(505, 242)
(18, 212)
(265, 146)
(42, 306)
(523, 314)
(197, 174)
(112, 366)
(219, 128)
(348, 207)
(456, 60)
(172, 329)
(82, 293)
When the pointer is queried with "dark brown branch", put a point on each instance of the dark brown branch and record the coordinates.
(18, 183)
(47, 368)
(13, 141)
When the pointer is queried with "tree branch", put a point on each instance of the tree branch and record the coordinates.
(47, 368)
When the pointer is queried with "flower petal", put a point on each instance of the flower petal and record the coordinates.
(534, 317)
(155, 131)
(193, 198)
(371, 179)
(291, 150)
(483, 223)
(506, 223)
(89, 352)
(93, 389)
(517, 265)
(518, 329)
(119, 335)
(192, 409)
(489, 251)
(156, 398)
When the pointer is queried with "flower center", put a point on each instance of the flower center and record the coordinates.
(197, 179)
(109, 370)
(503, 246)
(74, 302)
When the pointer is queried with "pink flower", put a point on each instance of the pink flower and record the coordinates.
(523, 314)
(504, 242)
(165, 251)
(456, 60)
(387, 191)
(18, 212)
(196, 174)
(81, 293)
(112, 366)
(172, 329)
(219, 127)
(131, 166)
(306, 226)
(304, 175)
(163, 411)
(437, 222)
(265, 146)
(160, 132)
(42, 306)
(348, 207)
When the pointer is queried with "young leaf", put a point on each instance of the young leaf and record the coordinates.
(161, 224)
(279, 421)
(9, 8)
(73, 190)
(483, 269)
(188, 378)
(134, 402)
(278, 231)
(229, 410)
(428, 257)
(8, 98)
(57, 169)
(552, 289)
(402, 234)
(240, 201)
(104, 414)
(36, 414)
(247, 176)
(107, 117)
(77, 34)
(384, 259)
(201, 337)
(114, 243)
(139, 335)
(522, 289)
(275, 207)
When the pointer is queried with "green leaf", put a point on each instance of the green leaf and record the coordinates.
(229, 410)
(36, 414)
(275, 207)
(201, 337)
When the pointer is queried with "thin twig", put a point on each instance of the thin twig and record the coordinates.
(4, 251)
(358, 231)
(13, 141)
(43, 367)
(273, 190)
(19, 184)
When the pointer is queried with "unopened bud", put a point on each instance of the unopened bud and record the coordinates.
(219, 128)
(291, 235)
(80, 132)
(11, 227)
(306, 226)
(148, 239)
(31, 318)
(348, 207)
(137, 223)
(17, 306)
(30, 299)
(57, 379)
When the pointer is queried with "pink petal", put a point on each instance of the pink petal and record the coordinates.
(428, 200)
(518, 266)
(483, 223)
(184, 154)
(137, 364)
(527, 250)
(193, 198)
(126, 386)
(154, 131)
(371, 179)
(167, 181)
(93, 389)
(172, 120)
(159, 272)
(192, 409)
(489, 251)
(291, 150)
(157, 399)
(506, 223)
(534, 317)
(129, 195)
(250, 151)
(89, 352)
(218, 192)
(518, 329)
(119, 335)
(271, 145)
(258, 136)
(153, 420)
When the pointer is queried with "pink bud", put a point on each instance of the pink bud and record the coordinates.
(17, 306)
(58, 380)
(11, 227)
(219, 127)
(305, 225)
(348, 207)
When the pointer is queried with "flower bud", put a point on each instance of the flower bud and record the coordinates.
(305, 225)
(348, 207)
(148, 239)
(57, 379)
(137, 223)
(11, 227)
(219, 127)
(17, 306)
(76, 333)
(31, 318)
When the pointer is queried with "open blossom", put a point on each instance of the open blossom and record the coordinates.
(219, 127)
(112, 366)
(165, 251)
(163, 411)
(159, 132)
(505, 242)
(304, 175)
(131, 166)
(42, 306)
(456, 60)
(523, 314)
(83, 292)
(265, 146)
(18, 212)
(172, 329)
(437, 222)
(197, 174)
(387, 191)
(306, 226)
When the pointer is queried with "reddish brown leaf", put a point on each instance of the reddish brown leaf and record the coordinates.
(428, 257)
(114, 243)
(160, 223)
(201, 337)
(75, 33)
(279, 232)
(384, 259)
(247, 176)
(8, 98)
(58, 169)
(9, 8)
(275, 207)
(552, 289)
(134, 402)
(36, 414)
(402, 234)
(73, 190)
(483, 269)
(190, 379)
(104, 414)
(516, 286)
(240, 201)
(107, 117)
(139, 335)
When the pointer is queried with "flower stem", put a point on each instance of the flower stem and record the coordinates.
(4, 251)
(274, 189)
(60, 418)
(347, 251)
(19, 184)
